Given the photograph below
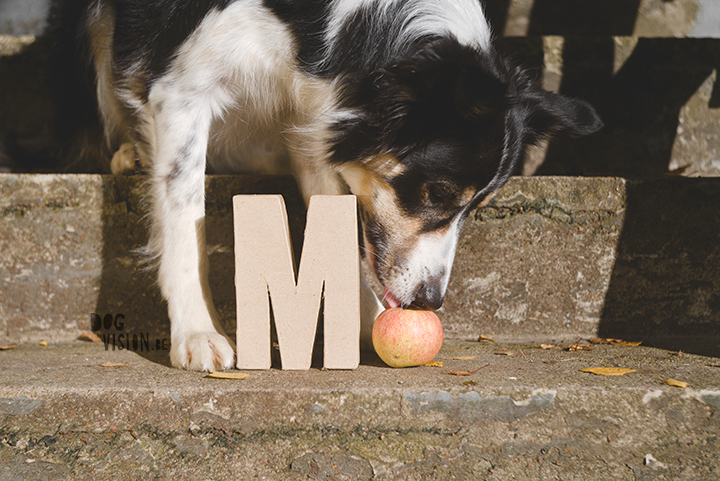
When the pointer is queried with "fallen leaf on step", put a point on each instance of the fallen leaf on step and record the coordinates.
(504, 352)
(434, 364)
(459, 358)
(466, 373)
(470, 383)
(88, 336)
(626, 343)
(463, 373)
(614, 342)
(114, 364)
(677, 172)
(6, 348)
(227, 375)
(608, 371)
(676, 383)
(579, 347)
(42, 343)
(485, 338)
(547, 346)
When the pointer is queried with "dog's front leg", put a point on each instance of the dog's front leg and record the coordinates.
(181, 129)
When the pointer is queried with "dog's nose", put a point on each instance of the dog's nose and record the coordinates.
(428, 297)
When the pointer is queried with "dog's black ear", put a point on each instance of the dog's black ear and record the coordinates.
(549, 113)
(443, 74)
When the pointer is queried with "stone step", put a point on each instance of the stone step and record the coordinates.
(549, 258)
(526, 413)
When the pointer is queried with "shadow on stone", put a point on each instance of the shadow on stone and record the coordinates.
(665, 288)
(640, 104)
(573, 18)
(27, 116)
(133, 311)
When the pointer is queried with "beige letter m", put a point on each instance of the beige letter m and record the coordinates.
(329, 276)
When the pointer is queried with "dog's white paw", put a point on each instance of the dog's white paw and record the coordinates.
(202, 351)
(124, 159)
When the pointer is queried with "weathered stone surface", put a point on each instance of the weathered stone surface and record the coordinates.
(530, 415)
(19, 406)
(563, 257)
(537, 260)
(69, 247)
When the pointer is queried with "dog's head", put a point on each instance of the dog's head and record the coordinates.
(433, 136)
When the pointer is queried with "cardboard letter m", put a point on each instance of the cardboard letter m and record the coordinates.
(329, 276)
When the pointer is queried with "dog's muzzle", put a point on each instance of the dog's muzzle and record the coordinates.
(429, 296)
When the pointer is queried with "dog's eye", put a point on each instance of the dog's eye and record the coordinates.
(440, 193)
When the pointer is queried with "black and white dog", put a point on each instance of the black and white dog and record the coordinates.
(404, 103)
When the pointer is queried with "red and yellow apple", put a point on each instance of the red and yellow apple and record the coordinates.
(407, 337)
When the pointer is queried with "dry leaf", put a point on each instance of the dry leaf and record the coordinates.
(614, 342)
(579, 347)
(504, 352)
(485, 338)
(466, 373)
(470, 383)
(547, 346)
(608, 371)
(677, 172)
(114, 364)
(460, 358)
(89, 336)
(42, 343)
(676, 383)
(626, 343)
(463, 373)
(5, 348)
(228, 375)
(434, 364)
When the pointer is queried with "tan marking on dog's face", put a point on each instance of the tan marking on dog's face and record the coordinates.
(380, 206)
(466, 196)
(405, 250)
(386, 166)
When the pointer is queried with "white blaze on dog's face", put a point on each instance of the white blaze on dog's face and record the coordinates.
(411, 248)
